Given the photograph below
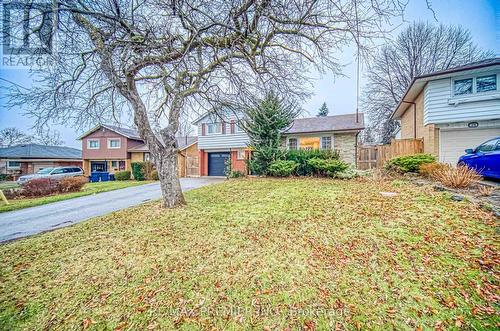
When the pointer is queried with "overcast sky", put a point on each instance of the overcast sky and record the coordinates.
(481, 17)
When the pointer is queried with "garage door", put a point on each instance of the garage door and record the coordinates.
(453, 143)
(217, 163)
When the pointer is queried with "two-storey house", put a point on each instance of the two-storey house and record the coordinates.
(110, 148)
(221, 137)
(453, 109)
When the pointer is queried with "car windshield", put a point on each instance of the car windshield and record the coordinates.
(45, 171)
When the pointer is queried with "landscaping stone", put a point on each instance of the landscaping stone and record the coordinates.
(457, 197)
(388, 194)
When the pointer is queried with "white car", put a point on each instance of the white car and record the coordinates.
(56, 173)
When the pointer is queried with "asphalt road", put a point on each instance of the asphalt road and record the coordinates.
(30, 221)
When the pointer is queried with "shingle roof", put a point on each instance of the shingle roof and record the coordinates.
(182, 142)
(468, 66)
(126, 132)
(327, 123)
(35, 151)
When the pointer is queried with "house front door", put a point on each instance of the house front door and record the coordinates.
(96, 166)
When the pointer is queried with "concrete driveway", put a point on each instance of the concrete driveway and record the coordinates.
(30, 221)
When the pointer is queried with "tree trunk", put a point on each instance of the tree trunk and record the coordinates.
(166, 164)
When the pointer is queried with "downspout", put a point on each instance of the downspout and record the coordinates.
(414, 117)
(356, 148)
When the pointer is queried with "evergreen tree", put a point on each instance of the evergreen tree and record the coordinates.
(323, 111)
(264, 123)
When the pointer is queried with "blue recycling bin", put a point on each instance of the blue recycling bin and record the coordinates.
(95, 177)
(104, 176)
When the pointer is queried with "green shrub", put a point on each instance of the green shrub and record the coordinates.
(322, 167)
(409, 163)
(154, 175)
(122, 175)
(282, 168)
(301, 157)
(236, 174)
(138, 170)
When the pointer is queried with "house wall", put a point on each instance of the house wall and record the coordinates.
(190, 152)
(30, 167)
(411, 123)
(345, 143)
(441, 106)
(105, 153)
(228, 138)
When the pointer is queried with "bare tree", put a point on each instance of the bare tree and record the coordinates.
(419, 49)
(13, 136)
(48, 138)
(157, 58)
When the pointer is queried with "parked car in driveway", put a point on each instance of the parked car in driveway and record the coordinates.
(57, 172)
(485, 158)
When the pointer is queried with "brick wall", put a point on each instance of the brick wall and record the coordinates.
(429, 133)
(345, 143)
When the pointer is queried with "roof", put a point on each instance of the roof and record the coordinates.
(345, 122)
(35, 151)
(182, 143)
(126, 132)
(418, 83)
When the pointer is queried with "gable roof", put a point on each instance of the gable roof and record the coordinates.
(126, 132)
(36, 151)
(182, 143)
(418, 83)
(345, 122)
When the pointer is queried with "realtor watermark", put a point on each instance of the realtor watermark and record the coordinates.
(28, 30)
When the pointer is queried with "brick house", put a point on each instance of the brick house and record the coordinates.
(29, 158)
(220, 137)
(111, 148)
(452, 110)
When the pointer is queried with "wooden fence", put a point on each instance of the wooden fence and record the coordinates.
(375, 156)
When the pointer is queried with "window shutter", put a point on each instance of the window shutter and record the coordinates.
(223, 127)
(203, 129)
(232, 126)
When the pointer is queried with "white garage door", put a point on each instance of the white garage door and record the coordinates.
(454, 142)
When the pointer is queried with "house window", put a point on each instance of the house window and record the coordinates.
(147, 157)
(292, 143)
(462, 86)
(114, 164)
(114, 143)
(214, 128)
(326, 142)
(93, 144)
(14, 165)
(241, 154)
(486, 83)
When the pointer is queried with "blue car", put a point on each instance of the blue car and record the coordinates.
(485, 158)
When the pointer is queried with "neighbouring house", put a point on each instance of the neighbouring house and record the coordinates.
(220, 137)
(110, 148)
(29, 158)
(453, 109)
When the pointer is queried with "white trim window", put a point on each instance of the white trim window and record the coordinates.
(486, 83)
(14, 164)
(214, 128)
(326, 142)
(240, 155)
(467, 86)
(114, 143)
(462, 86)
(93, 144)
(293, 144)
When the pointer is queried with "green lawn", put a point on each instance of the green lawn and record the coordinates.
(88, 189)
(263, 254)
